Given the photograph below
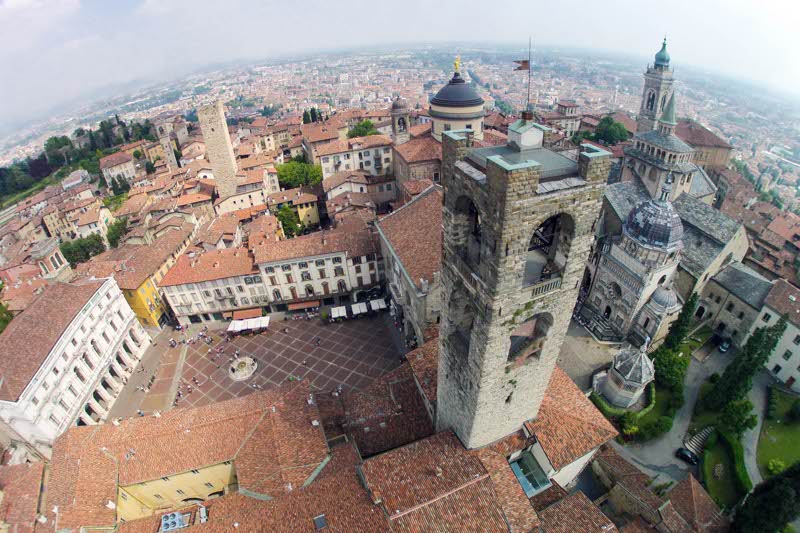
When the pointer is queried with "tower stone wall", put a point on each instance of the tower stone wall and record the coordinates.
(169, 153)
(219, 149)
(483, 393)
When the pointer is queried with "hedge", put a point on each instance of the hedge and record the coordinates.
(609, 411)
(740, 470)
(707, 468)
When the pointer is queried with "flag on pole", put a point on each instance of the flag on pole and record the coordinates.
(523, 64)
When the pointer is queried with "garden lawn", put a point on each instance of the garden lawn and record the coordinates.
(723, 490)
(659, 410)
(696, 340)
(702, 418)
(780, 438)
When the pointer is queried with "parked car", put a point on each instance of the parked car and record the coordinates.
(725, 345)
(687, 455)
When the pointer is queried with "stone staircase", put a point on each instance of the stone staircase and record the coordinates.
(697, 442)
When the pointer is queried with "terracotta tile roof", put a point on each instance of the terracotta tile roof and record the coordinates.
(319, 133)
(552, 494)
(249, 177)
(419, 150)
(695, 134)
(420, 129)
(625, 120)
(262, 230)
(208, 266)
(575, 513)
(345, 176)
(622, 472)
(217, 228)
(637, 525)
(355, 242)
(28, 339)
(518, 509)
(132, 206)
(337, 493)
(20, 296)
(431, 483)
(355, 143)
(694, 504)
(191, 199)
(269, 437)
(387, 414)
(414, 232)
(568, 425)
(296, 196)
(131, 264)
(785, 299)
(21, 486)
(115, 159)
(424, 362)
(414, 187)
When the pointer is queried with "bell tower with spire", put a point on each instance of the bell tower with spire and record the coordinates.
(657, 91)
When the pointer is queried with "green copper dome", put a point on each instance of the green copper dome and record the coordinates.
(662, 57)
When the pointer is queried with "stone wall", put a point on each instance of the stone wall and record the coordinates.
(482, 395)
(219, 150)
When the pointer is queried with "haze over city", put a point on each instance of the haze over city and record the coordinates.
(57, 51)
(516, 266)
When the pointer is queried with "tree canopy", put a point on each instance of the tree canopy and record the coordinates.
(296, 174)
(680, 328)
(772, 504)
(116, 231)
(610, 131)
(83, 249)
(737, 379)
(290, 221)
(362, 129)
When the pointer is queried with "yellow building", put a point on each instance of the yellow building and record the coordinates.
(138, 269)
(259, 447)
(302, 203)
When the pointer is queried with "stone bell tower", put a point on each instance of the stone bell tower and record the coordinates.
(518, 224)
(657, 91)
(401, 120)
(219, 148)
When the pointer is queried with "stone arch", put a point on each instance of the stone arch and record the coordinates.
(461, 314)
(653, 174)
(309, 290)
(192, 500)
(401, 124)
(651, 100)
(548, 249)
(663, 102)
(467, 230)
(276, 294)
(701, 310)
(342, 286)
(662, 279)
(528, 339)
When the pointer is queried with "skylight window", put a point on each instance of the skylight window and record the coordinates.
(529, 474)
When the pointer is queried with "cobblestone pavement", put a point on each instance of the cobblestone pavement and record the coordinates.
(350, 354)
(581, 355)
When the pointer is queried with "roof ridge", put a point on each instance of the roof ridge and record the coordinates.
(416, 198)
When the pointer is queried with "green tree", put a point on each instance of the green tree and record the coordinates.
(737, 379)
(55, 149)
(610, 131)
(83, 249)
(150, 167)
(773, 503)
(362, 129)
(306, 117)
(313, 115)
(5, 314)
(296, 174)
(680, 328)
(290, 221)
(737, 417)
(137, 154)
(191, 116)
(116, 231)
(670, 367)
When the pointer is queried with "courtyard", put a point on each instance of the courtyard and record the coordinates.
(346, 355)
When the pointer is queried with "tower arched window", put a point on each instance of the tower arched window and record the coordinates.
(651, 100)
(548, 249)
(309, 290)
(663, 102)
(467, 222)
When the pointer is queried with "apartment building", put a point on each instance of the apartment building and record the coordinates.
(253, 187)
(119, 164)
(64, 362)
(372, 154)
(324, 268)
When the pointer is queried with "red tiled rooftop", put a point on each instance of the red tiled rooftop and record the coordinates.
(208, 266)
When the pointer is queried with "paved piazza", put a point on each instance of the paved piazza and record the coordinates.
(350, 354)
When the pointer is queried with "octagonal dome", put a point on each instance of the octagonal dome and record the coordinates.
(634, 366)
(664, 297)
(399, 103)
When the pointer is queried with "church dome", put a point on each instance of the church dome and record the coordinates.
(457, 93)
(634, 366)
(399, 104)
(655, 223)
(664, 297)
(662, 57)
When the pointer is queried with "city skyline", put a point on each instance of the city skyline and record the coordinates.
(71, 51)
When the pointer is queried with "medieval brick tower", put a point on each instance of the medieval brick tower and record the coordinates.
(219, 149)
(518, 225)
(169, 153)
(657, 90)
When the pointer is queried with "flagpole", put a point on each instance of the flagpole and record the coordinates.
(528, 107)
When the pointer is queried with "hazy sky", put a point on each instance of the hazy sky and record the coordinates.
(53, 51)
